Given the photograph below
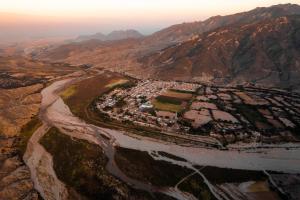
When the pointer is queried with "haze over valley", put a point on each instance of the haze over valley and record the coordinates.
(140, 100)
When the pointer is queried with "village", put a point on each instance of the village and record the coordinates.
(229, 114)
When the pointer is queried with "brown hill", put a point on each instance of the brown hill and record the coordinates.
(113, 55)
(161, 38)
(243, 44)
(266, 53)
(61, 52)
(181, 32)
(114, 35)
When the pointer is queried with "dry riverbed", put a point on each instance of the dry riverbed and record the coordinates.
(113, 144)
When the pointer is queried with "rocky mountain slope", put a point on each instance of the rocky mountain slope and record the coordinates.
(113, 55)
(181, 32)
(114, 35)
(17, 106)
(238, 42)
(21, 81)
(265, 53)
(161, 39)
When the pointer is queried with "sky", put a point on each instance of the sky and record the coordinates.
(75, 17)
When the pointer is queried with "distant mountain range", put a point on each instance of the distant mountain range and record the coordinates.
(114, 35)
(181, 32)
(261, 46)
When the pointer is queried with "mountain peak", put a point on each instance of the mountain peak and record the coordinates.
(266, 52)
(123, 34)
(114, 35)
(187, 30)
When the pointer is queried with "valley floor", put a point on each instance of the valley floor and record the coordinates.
(138, 161)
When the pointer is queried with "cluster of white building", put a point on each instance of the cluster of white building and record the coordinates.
(138, 103)
(228, 122)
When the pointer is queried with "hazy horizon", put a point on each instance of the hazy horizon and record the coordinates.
(21, 19)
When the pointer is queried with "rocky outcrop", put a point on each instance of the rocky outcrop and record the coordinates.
(17, 106)
(15, 181)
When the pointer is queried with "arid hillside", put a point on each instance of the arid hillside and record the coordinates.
(181, 32)
(21, 81)
(114, 55)
(114, 35)
(222, 49)
(265, 53)
(86, 48)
